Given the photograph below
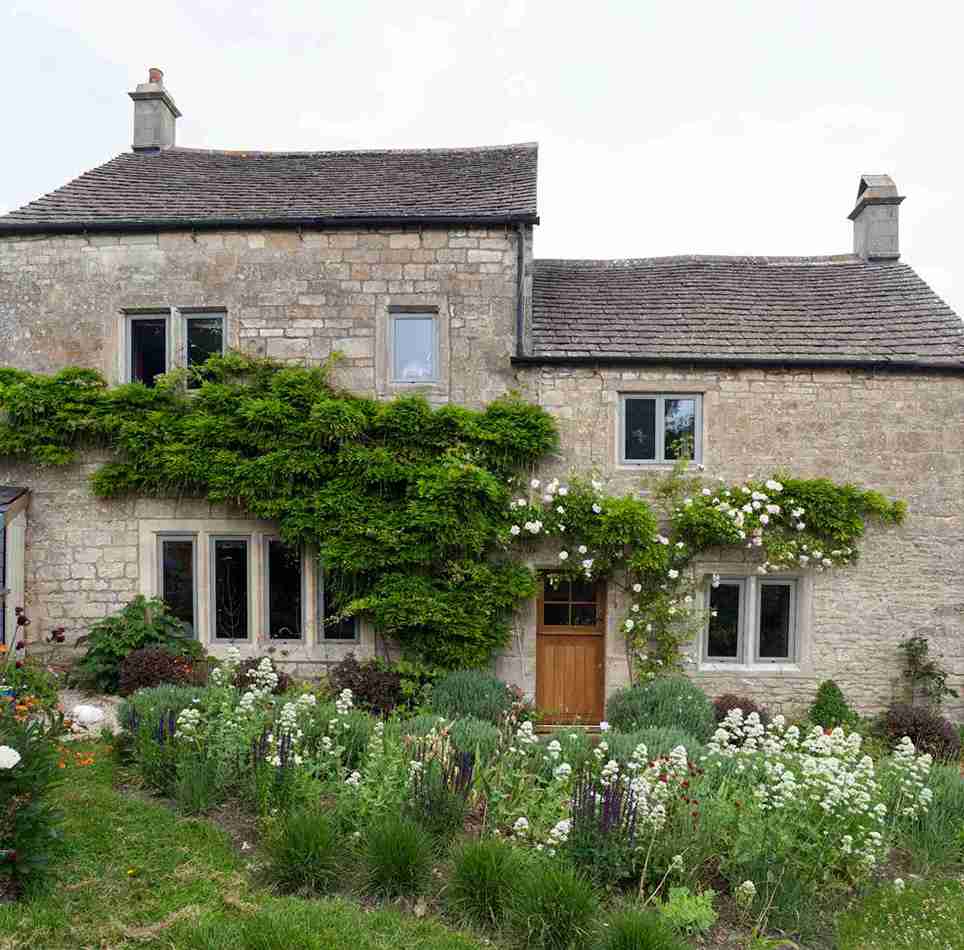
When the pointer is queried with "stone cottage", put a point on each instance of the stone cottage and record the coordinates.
(418, 267)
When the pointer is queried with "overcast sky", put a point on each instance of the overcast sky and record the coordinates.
(664, 127)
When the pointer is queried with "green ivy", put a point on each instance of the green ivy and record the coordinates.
(419, 513)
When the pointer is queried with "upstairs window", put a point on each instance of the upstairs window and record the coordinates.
(414, 347)
(752, 621)
(156, 342)
(660, 428)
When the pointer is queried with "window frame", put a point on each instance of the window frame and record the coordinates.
(266, 572)
(140, 316)
(660, 409)
(322, 636)
(191, 536)
(396, 316)
(213, 538)
(793, 649)
(748, 637)
(187, 314)
(176, 324)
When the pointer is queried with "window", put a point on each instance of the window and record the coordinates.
(752, 620)
(178, 583)
(148, 348)
(660, 428)
(568, 603)
(229, 592)
(414, 347)
(158, 341)
(205, 338)
(283, 582)
(331, 627)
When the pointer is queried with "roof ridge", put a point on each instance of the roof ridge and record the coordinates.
(281, 153)
(615, 262)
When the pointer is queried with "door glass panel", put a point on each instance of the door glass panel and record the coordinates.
(775, 621)
(556, 589)
(584, 615)
(177, 579)
(414, 348)
(231, 589)
(680, 421)
(640, 429)
(148, 349)
(584, 591)
(555, 615)
(724, 629)
(205, 338)
(284, 591)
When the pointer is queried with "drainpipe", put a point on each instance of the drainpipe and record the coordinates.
(520, 302)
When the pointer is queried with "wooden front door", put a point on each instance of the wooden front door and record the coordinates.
(571, 651)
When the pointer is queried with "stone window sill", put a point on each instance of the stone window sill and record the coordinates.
(749, 668)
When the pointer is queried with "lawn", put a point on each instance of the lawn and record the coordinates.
(134, 874)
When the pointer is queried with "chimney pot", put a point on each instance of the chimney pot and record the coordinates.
(875, 218)
(155, 115)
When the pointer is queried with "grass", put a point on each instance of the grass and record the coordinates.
(924, 915)
(134, 874)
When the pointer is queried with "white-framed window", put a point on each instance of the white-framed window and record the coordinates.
(656, 428)
(330, 627)
(284, 591)
(752, 621)
(230, 587)
(413, 345)
(158, 340)
(177, 576)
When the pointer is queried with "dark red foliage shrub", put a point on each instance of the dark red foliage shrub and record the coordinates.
(373, 684)
(927, 730)
(723, 704)
(242, 677)
(154, 666)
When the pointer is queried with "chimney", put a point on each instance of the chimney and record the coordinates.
(155, 114)
(875, 219)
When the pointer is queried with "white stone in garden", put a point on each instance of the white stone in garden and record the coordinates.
(85, 715)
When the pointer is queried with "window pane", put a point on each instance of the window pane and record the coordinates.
(231, 589)
(584, 591)
(724, 630)
(775, 621)
(641, 429)
(205, 338)
(343, 629)
(680, 419)
(555, 589)
(584, 615)
(148, 349)
(414, 348)
(177, 579)
(555, 615)
(284, 591)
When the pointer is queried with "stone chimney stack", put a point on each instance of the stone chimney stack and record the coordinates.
(875, 218)
(155, 115)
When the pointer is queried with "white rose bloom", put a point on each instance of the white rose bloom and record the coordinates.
(673, 574)
(583, 549)
(535, 483)
(597, 509)
(563, 555)
(563, 490)
(637, 588)
(8, 757)
(515, 529)
(604, 726)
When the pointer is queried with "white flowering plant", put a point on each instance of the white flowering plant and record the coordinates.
(812, 804)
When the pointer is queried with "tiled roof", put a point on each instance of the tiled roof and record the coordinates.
(206, 188)
(780, 309)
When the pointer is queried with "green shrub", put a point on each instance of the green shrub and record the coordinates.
(29, 823)
(471, 693)
(398, 858)
(142, 623)
(304, 852)
(688, 913)
(830, 708)
(483, 875)
(667, 701)
(553, 907)
(658, 740)
(476, 736)
(634, 929)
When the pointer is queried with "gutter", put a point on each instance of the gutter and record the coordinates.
(520, 301)
(723, 361)
(137, 225)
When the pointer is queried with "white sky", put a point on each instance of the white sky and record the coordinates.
(664, 127)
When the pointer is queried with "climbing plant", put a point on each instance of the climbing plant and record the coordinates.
(422, 515)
